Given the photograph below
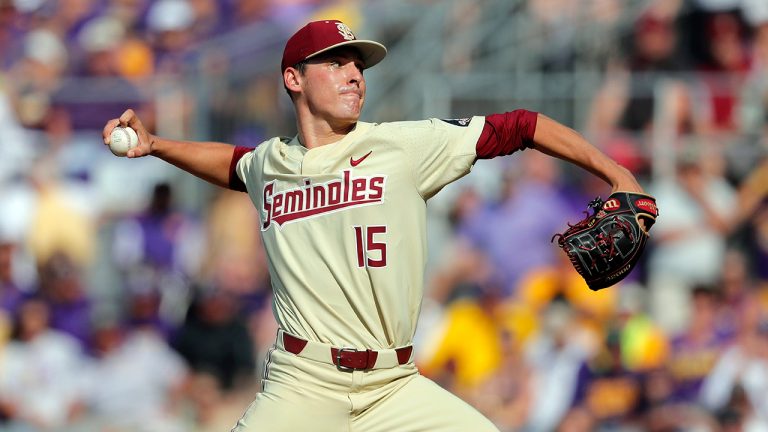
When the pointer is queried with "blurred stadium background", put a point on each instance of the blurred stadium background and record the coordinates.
(134, 297)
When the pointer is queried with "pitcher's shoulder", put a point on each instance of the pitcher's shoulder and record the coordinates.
(277, 144)
(397, 130)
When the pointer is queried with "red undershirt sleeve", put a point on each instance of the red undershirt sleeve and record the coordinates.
(234, 181)
(506, 133)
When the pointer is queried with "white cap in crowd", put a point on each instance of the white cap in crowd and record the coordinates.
(170, 15)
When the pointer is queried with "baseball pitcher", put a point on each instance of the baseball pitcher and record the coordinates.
(343, 213)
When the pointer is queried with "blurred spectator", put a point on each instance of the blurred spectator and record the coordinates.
(658, 400)
(208, 18)
(624, 110)
(664, 412)
(459, 303)
(236, 263)
(247, 280)
(36, 75)
(466, 271)
(129, 12)
(505, 397)
(10, 294)
(606, 389)
(734, 416)
(243, 111)
(234, 254)
(170, 25)
(68, 15)
(159, 237)
(753, 97)
(759, 244)
(683, 417)
(11, 29)
(18, 269)
(213, 408)
(723, 71)
(743, 366)
(61, 218)
(134, 58)
(16, 143)
(79, 103)
(143, 312)
(690, 236)
(555, 357)
(214, 340)
(751, 217)
(135, 381)
(6, 327)
(738, 289)
(40, 382)
(695, 351)
(652, 59)
(159, 249)
(514, 234)
(449, 215)
(448, 362)
(577, 420)
(62, 286)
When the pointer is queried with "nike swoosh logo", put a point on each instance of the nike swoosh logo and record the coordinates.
(356, 162)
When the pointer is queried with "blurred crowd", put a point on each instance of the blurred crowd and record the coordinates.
(133, 298)
(682, 344)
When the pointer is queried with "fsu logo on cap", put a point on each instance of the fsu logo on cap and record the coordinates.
(345, 31)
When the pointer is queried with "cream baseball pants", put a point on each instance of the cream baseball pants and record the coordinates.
(300, 394)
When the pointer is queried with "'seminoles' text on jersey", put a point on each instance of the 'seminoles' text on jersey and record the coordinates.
(315, 199)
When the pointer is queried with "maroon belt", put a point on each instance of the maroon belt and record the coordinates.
(344, 358)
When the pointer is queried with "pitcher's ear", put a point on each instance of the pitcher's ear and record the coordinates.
(291, 79)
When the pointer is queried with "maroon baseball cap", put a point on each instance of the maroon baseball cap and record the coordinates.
(320, 36)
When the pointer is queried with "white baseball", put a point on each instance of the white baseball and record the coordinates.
(122, 139)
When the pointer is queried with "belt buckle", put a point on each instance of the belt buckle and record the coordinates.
(337, 361)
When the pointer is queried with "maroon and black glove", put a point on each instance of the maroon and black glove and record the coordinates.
(605, 245)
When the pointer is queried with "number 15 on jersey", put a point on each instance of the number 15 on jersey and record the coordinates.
(368, 242)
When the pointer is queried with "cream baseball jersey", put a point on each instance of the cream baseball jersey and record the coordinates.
(343, 225)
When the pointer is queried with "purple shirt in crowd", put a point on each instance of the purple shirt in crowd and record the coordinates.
(516, 234)
(73, 318)
(10, 298)
(160, 236)
(691, 362)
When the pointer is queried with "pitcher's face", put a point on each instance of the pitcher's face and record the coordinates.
(333, 85)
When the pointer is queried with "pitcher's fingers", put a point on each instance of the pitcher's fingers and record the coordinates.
(108, 130)
(137, 152)
(128, 118)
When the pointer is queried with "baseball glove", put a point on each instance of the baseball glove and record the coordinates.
(605, 245)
